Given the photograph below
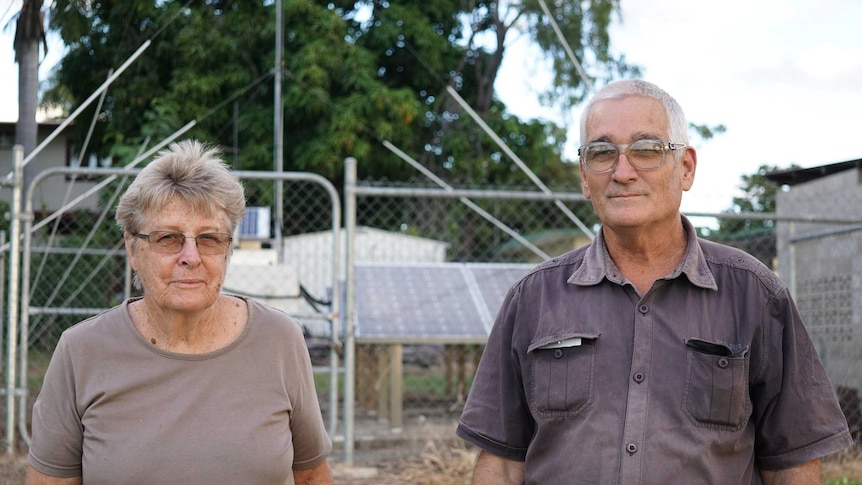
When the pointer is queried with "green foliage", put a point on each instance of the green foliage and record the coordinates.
(843, 481)
(706, 132)
(355, 73)
(758, 195)
(5, 214)
(753, 235)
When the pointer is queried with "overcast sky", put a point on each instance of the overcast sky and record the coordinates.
(784, 77)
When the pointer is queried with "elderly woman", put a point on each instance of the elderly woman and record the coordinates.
(185, 384)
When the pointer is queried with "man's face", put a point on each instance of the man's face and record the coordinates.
(625, 198)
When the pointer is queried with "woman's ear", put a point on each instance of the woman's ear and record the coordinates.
(129, 242)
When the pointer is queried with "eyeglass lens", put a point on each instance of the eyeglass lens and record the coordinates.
(643, 154)
(173, 242)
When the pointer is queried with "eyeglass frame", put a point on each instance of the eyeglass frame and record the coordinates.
(183, 238)
(622, 149)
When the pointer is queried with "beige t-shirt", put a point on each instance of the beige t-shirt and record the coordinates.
(116, 410)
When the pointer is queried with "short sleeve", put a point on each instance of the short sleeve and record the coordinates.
(57, 435)
(496, 417)
(797, 414)
(311, 443)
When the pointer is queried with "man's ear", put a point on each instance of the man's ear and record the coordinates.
(585, 189)
(688, 166)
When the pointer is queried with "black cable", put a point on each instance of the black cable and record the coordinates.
(314, 302)
(303, 293)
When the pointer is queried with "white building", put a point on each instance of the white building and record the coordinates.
(821, 261)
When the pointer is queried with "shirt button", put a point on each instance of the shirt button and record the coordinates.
(639, 377)
(558, 353)
(632, 448)
(643, 308)
(722, 362)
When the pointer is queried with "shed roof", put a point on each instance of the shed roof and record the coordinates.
(802, 175)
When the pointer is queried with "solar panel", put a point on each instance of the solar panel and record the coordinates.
(494, 280)
(440, 302)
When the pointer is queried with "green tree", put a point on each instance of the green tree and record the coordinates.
(430, 45)
(758, 196)
(752, 234)
(29, 32)
(706, 132)
(355, 74)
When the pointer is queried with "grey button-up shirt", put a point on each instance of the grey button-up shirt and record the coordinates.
(707, 378)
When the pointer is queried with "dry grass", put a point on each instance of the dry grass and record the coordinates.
(450, 463)
(843, 468)
(442, 465)
(13, 469)
(439, 465)
(439, 459)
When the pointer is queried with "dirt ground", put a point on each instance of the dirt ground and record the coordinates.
(443, 465)
(454, 466)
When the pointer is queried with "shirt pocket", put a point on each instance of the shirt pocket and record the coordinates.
(562, 374)
(716, 386)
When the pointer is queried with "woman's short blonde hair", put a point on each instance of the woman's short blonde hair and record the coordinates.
(191, 171)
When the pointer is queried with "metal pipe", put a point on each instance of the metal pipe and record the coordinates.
(520, 163)
(335, 345)
(2, 294)
(278, 129)
(349, 307)
(566, 46)
(468, 193)
(14, 279)
(83, 106)
(466, 201)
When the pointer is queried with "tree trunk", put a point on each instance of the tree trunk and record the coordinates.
(29, 31)
(28, 94)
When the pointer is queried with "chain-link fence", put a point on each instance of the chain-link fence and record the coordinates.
(413, 376)
(402, 242)
(74, 265)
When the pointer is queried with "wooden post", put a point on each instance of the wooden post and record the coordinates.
(396, 386)
(381, 383)
(461, 357)
(447, 359)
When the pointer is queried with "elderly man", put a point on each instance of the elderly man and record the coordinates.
(649, 356)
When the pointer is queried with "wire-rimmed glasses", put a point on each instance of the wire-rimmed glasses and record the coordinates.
(647, 154)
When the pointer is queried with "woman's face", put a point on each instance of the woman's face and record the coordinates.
(185, 282)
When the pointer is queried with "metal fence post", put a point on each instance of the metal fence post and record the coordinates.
(349, 308)
(14, 266)
(2, 294)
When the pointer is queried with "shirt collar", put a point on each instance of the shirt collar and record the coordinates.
(597, 263)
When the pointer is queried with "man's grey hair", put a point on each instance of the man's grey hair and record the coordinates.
(678, 125)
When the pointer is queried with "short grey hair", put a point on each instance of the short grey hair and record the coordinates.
(191, 171)
(678, 125)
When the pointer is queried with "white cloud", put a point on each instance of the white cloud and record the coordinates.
(831, 64)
